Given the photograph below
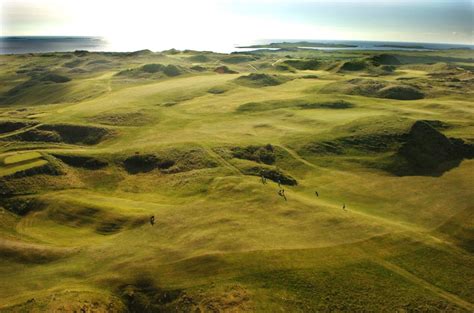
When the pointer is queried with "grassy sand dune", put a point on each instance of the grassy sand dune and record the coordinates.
(373, 151)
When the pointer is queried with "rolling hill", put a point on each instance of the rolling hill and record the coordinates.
(375, 162)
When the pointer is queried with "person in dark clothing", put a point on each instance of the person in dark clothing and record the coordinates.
(344, 206)
(152, 220)
(281, 193)
(316, 193)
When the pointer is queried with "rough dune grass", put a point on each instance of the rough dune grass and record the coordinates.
(75, 230)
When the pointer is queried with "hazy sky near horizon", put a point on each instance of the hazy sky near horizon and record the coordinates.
(181, 22)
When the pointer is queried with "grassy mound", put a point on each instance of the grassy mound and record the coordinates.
(53, 78)
(81, 53)
(354, 145)
(171, 51)
(139, 53)
(376, 65)
(387, 68)
(357, 86)
(427, 151)
(259, 154)
(146, 70)
(385, 59)
(219, 90)
(419, 149)
(272, 174)
(153, 68)
(169, 161)
(198, 68)
(400, 93)
(238, 58)
(169, 70)
(362, 137)
(224, 70)
(303, 64)
(322, 148)
(37, 80)
(199, 58)
(245, 159)
(187, 159)
(374, 88)
(433, 69)
(172, 70)
(261, 80)
(73, 63)
(354, 65)
(284, 68)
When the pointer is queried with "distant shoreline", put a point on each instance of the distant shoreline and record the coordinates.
(403, 47)
(49, 44)
(298, 44)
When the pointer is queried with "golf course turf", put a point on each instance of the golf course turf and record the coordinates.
(373, 150)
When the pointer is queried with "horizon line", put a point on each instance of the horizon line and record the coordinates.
(268, 39)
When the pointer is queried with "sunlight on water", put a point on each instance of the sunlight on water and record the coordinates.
(62, 44)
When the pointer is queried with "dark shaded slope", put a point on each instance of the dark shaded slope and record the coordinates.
(66, 133)
(419, 149)
(429, 152)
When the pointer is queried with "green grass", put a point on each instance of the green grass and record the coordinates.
(93, 158)
(21, 157)
(8, 170)
(20, 162)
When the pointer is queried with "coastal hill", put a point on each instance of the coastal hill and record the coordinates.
(190, 181)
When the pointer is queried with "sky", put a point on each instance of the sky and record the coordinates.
(205, 23)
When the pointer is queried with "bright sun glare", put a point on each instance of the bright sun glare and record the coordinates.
(126, 25)
(213, 24)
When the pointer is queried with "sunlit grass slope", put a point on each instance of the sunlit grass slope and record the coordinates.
(373, 151)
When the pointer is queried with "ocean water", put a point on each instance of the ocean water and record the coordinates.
(375, 45)
(20, 45)
(39, 44)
